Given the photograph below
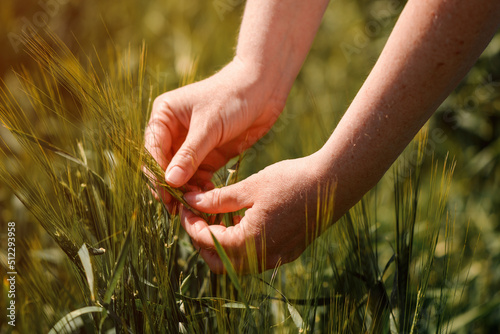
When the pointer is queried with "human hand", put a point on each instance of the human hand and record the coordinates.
(196, 129)
(281, 216)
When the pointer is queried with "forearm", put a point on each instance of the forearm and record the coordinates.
(274, 40)
(433, 45)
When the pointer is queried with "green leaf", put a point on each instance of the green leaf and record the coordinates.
(184, 286)
(229, 267)
(120, 263)
(142, 295)
(297, 319)
(232, 274)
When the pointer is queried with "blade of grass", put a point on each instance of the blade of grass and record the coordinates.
(155, 176)
(84, 255)
(297, 319)
(120, 263)
(232, 275)
(294, 314)
(142, 296)
(69, 323)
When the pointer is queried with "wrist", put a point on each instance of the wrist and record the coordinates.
(338, 177)
(263, 90)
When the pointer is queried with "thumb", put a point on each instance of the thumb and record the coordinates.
(187, 159)
(220, 200)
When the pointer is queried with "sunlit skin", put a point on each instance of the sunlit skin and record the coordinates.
(198, 128)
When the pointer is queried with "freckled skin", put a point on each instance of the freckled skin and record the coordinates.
(432, 46)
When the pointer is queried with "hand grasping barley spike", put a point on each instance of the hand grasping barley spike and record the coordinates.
(154, 174)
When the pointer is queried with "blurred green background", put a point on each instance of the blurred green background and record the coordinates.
(183, 34)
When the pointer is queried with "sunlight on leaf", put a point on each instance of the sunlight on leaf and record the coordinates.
(84, 255)
(73, 321)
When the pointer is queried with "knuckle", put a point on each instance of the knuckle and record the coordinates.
(161, 112)
(160, 103)
(153, 124)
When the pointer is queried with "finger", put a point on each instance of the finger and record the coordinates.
(233, 239)
(219, 200)
(199, 142)
(157, 142)
(159, 193)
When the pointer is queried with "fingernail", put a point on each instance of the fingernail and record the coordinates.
(175, 177)
(193, 198)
